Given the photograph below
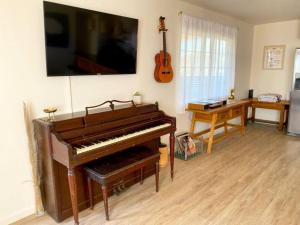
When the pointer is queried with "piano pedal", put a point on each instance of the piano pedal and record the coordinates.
(122, 186)
(119, 188)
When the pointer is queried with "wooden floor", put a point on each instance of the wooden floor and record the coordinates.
(253, 179)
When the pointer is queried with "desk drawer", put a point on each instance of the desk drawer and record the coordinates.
(235, 112)
(223, 116)
(268, 105)
(203, 117)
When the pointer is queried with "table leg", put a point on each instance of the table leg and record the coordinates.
(243, 119)
(172, 144)
(281, 121)
(246, 114)
(193, 124)
(212, 132)
(225, 128)
(253, 114)
(73, 194)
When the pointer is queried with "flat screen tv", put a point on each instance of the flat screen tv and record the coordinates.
(85, 42)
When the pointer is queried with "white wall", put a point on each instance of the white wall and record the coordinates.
(23, 78)
(274, 81)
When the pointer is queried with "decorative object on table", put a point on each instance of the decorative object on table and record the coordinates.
(232, 95)
(137, 98)
(250, 93)
(203, 105)
(163, 160)
(269, 98)
(186, 147)
(274, 57)
(163, 71)
(50, 111)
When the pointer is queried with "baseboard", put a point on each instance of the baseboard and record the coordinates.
(266, 121)
(17, 216)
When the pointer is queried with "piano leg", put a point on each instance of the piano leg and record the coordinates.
(73, 193)
(105, 200)
(157, 176)
(172, 143)
(90, 187)
(142, 176)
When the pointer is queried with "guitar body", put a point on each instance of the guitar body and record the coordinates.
(163, 70)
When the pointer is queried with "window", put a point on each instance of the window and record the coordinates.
(207, 60)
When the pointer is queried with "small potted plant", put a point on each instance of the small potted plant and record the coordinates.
(137, 98)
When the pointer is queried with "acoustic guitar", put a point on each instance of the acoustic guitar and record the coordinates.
(163, 71)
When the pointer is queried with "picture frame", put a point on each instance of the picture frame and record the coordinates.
(274, 57)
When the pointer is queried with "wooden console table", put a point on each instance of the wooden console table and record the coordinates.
(218, 118)
(281, 106)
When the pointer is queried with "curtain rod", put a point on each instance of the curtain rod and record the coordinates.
(232, 25)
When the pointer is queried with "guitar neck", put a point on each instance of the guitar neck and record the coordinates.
(165, 48)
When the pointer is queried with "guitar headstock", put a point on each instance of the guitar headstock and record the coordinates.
(162, 26)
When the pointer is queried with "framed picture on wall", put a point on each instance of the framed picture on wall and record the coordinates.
(274, 57)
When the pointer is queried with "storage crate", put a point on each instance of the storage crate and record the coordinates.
(186, 147)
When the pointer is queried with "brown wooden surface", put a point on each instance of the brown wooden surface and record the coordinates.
(115, 166)
(205, 105)
(112, 168)
(73, 194)
(217, 118)
(282, 106)
(56, 141)
(255, 100)
(54, 183)
(105, 200)
(221, 109)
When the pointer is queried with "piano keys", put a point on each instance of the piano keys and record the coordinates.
(100, 144)
(72, 140)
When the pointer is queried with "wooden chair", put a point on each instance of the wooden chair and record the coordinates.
(111, 170)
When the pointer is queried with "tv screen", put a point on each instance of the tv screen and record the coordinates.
(85, 42)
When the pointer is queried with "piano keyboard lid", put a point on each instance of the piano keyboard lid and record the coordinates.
(77, 120)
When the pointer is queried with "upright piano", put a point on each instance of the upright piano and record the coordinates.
(69, 141)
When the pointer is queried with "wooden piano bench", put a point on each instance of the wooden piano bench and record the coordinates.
(114, 168)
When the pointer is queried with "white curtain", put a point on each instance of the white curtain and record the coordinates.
(207, 60)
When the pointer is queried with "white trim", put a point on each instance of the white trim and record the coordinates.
(14, 217)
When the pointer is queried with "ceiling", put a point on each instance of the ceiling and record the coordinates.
(254, 11)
